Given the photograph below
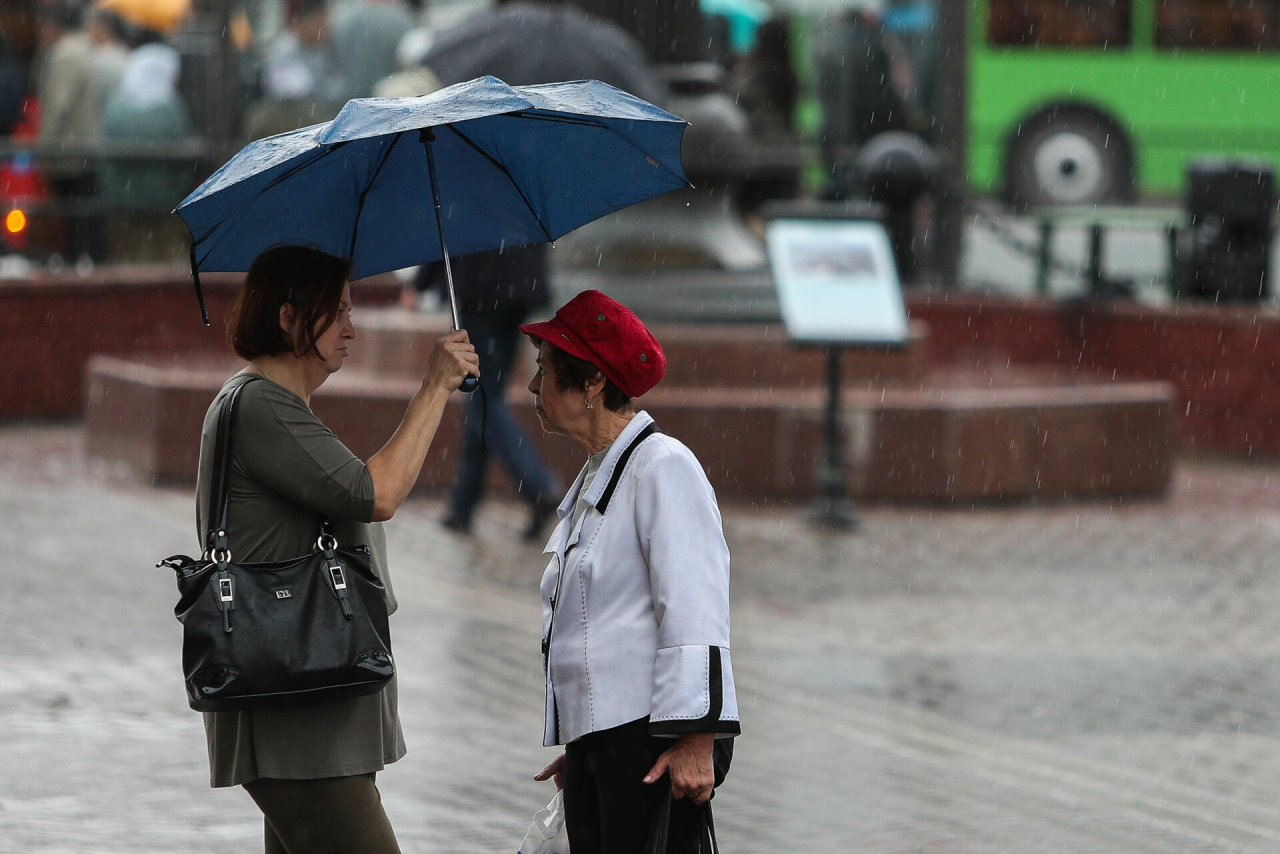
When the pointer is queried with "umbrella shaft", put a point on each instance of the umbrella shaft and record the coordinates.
(427, 136)
(448, 277)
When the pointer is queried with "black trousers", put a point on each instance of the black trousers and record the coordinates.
(607, 807)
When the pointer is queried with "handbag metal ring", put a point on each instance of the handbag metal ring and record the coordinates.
(326, 542)
(222, 555)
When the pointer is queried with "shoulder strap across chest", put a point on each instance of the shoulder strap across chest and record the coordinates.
(623, 459)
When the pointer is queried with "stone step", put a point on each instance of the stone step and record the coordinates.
(397, 343)
(938, 442)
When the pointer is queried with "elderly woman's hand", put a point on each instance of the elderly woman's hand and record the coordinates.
(688, 762)
(555, 769)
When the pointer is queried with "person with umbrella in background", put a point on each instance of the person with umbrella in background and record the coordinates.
(523, 43)
(498, 290)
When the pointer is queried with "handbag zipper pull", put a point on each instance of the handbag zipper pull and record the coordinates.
(339, 580)
(226, 598)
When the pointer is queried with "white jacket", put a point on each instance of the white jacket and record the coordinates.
(635, 600)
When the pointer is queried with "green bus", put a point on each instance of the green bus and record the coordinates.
(1086, 101)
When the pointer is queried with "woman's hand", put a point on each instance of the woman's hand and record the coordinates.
(453, 359)
(688, 762)
(555, 769)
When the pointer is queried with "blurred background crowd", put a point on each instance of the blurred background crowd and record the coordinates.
(111, 111)
(1013, 144)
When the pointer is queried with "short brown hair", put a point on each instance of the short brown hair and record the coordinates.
(574, 373)
(302, 276)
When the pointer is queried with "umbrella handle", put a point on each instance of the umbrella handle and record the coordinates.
(469, 385)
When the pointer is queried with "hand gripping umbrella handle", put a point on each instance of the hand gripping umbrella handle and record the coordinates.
(426, 136)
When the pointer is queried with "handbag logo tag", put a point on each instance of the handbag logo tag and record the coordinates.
(283, 594)
(336, 574)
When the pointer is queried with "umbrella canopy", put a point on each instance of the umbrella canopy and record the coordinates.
(527, 43)
(516, 165)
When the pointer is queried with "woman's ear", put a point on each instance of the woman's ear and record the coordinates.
(594, 387)
(288, 317)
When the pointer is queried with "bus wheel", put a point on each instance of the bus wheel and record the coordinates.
(1069, 158)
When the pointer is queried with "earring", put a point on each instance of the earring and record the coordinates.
(589, 406)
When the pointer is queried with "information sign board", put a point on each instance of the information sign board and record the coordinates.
(836, 281)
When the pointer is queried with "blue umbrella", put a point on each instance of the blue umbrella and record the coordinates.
(518, 165)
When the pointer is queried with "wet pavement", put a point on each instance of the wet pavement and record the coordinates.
(1100, 677)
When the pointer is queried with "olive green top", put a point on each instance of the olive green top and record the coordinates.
(289, 470)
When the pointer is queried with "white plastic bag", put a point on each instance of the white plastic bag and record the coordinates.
(547, 834)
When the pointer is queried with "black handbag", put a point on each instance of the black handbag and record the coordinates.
(284, 633)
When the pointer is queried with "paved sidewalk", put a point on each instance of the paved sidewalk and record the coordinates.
(1065, 678)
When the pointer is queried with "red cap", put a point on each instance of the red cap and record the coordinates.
(607, 334)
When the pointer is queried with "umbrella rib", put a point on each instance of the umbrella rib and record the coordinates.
(323, 153)
(503, 169)
(355, 229)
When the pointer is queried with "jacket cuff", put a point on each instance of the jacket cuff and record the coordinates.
(694, 692)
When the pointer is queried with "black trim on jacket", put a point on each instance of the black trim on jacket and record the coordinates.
(710, 722)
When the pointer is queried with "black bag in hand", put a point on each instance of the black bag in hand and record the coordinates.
(284, 633)
(659, 834)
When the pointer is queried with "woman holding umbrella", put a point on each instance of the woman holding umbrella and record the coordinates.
(310, 768)
(635, 599)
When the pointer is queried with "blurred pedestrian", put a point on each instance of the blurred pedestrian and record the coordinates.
(766, 86)
(147, 109)
(69, 122)
(858, 91)
(13, 85)
(521, 43)
(365, 35)
(496, 292)
(413, 78)
(765, 83)
(635, 600)
(913, 26)
(310, 768)
(302, 84)
(109, 56)
(198, 39)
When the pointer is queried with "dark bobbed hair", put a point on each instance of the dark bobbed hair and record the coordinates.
(574, 373)
(304, 277)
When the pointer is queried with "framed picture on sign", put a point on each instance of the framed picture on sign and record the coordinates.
(836, 281)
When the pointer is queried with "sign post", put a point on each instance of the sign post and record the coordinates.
(838, 289)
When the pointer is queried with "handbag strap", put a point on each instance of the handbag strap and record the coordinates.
(661, 825)
(711, 830)
(217, 541)
(658, 836)
(220, 489)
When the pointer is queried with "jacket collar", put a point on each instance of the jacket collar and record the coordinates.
(611, 457)
(561, 538)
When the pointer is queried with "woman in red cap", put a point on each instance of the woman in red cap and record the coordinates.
(635, 599)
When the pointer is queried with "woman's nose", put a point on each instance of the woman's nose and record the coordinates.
(535, 383)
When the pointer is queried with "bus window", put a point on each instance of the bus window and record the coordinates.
(1059, 23)
(1218, 24)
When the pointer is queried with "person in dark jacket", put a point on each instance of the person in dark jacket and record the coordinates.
(13, 85)
(496, 291)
